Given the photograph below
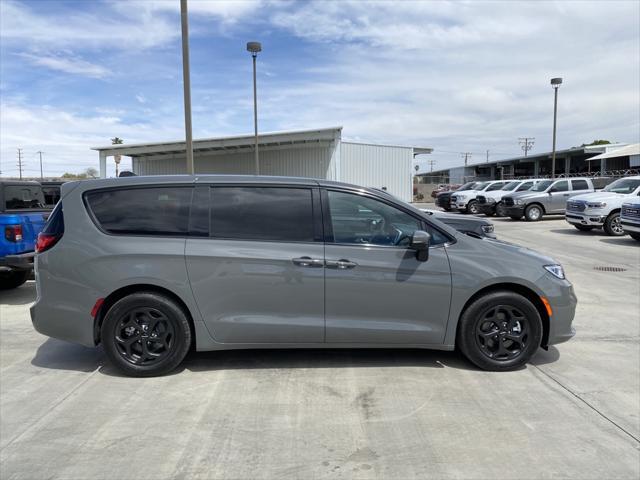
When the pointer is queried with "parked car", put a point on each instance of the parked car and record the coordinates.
(630, 218)
(22, 216)
(51, 191)
(490, 203)
(547, 197)
(149, 266)
(602, 209)
(478, 227)
(465, 200)
(443, 199)
(444, 188)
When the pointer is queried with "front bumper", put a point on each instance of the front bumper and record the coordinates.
(515, 211)
(487, 208)
(22, 261)
(589, 219)
(563, 305)
(629, 226)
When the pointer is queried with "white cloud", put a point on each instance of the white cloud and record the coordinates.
(67, 64)
(141, 98)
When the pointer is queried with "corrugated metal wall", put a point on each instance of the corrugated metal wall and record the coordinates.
(378, 166)
(298, 162)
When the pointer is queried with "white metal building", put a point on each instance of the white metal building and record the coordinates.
(305, 153)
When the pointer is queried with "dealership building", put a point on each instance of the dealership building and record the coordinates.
(304, 153)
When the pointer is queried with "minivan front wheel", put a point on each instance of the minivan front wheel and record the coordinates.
(146, 334)
(500, 331)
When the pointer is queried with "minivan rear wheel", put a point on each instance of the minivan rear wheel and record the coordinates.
(500, 331)
(146, 334)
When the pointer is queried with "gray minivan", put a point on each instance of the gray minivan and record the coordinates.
(151, 267)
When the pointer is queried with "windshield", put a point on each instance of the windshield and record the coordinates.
(493, 187)
(623, 185)
(510, 186)
(19, 197)
(541, 186)
(467, 186)
(481, 186)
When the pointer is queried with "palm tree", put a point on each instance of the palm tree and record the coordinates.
(116, 158)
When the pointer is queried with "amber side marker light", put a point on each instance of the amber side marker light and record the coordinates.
(547, 306)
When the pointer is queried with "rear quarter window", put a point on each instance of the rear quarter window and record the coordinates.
(579, 185)
(141, 211)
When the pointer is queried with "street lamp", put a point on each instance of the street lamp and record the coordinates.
(254, 48)
(555, 84)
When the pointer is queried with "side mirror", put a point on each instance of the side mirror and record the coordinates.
(420, 241)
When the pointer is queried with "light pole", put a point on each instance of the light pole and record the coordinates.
(186, 80)
(254, 48)
(555, 84)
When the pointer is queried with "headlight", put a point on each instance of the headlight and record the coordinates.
(519, 202)
(461, 197)
(596, 204)
(487, 228)
(555, 270)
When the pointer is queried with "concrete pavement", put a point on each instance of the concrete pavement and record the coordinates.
(573, 412)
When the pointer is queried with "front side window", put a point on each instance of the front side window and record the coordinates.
(20, 197)
(262, 213)
(541, 186)
(142, 211)
(562, 186)
(357, 219)
(579, 185)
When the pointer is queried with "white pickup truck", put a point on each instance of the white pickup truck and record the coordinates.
(601, 209)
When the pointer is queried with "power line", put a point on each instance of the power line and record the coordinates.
(526, 143)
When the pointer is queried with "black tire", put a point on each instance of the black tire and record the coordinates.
(635, 236)
(490, 213)
(13, 279)
(447, 209)
(501, 209)
(472, 207)
(481, 331)
(533, 213)
(131, 327)
(612, 225)
(515, 217)
(584, 228)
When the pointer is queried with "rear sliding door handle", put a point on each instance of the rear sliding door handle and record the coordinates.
(341, 264)
(308, 262)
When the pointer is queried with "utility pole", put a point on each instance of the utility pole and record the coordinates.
(41, 175)
(466, 156)
(20, 162)
(432, 162)
(186, 80)
(526, 143)
(487, 156)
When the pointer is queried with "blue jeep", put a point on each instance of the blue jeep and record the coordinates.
(22, 216)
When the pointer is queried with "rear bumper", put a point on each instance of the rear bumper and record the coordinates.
(23, 261)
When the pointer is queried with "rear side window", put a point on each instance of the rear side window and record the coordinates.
(142, 211)
(579, 185)
(262, 213)
(21, 197)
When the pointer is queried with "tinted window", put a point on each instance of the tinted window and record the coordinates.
(494, 186)
(525, 186)
(18, 197)
(361, 220)
(142, 211)
(562, 186)
(51, 195)
(510, 186)
(541, 186)
(262, 213)
(579, 185)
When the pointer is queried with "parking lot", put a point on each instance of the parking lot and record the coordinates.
(573, 412)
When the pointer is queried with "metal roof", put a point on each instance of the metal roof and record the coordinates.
(231, 143)
(629, 150)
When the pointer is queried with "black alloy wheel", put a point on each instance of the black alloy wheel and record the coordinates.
(144, 336)
(502, 332)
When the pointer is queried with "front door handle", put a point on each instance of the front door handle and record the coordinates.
(308, 262)
(341, 264)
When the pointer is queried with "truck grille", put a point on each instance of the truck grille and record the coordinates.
(576, 206)
(508, 202)
(453, 199)
(481, 199)
(631, 212)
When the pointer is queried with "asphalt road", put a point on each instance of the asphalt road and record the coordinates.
(574, 412)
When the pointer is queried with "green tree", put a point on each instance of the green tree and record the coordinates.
(597, 142)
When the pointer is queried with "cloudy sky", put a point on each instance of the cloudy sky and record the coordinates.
(457, 76)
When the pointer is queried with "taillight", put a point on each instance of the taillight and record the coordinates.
(13, 233)
(46, 241)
